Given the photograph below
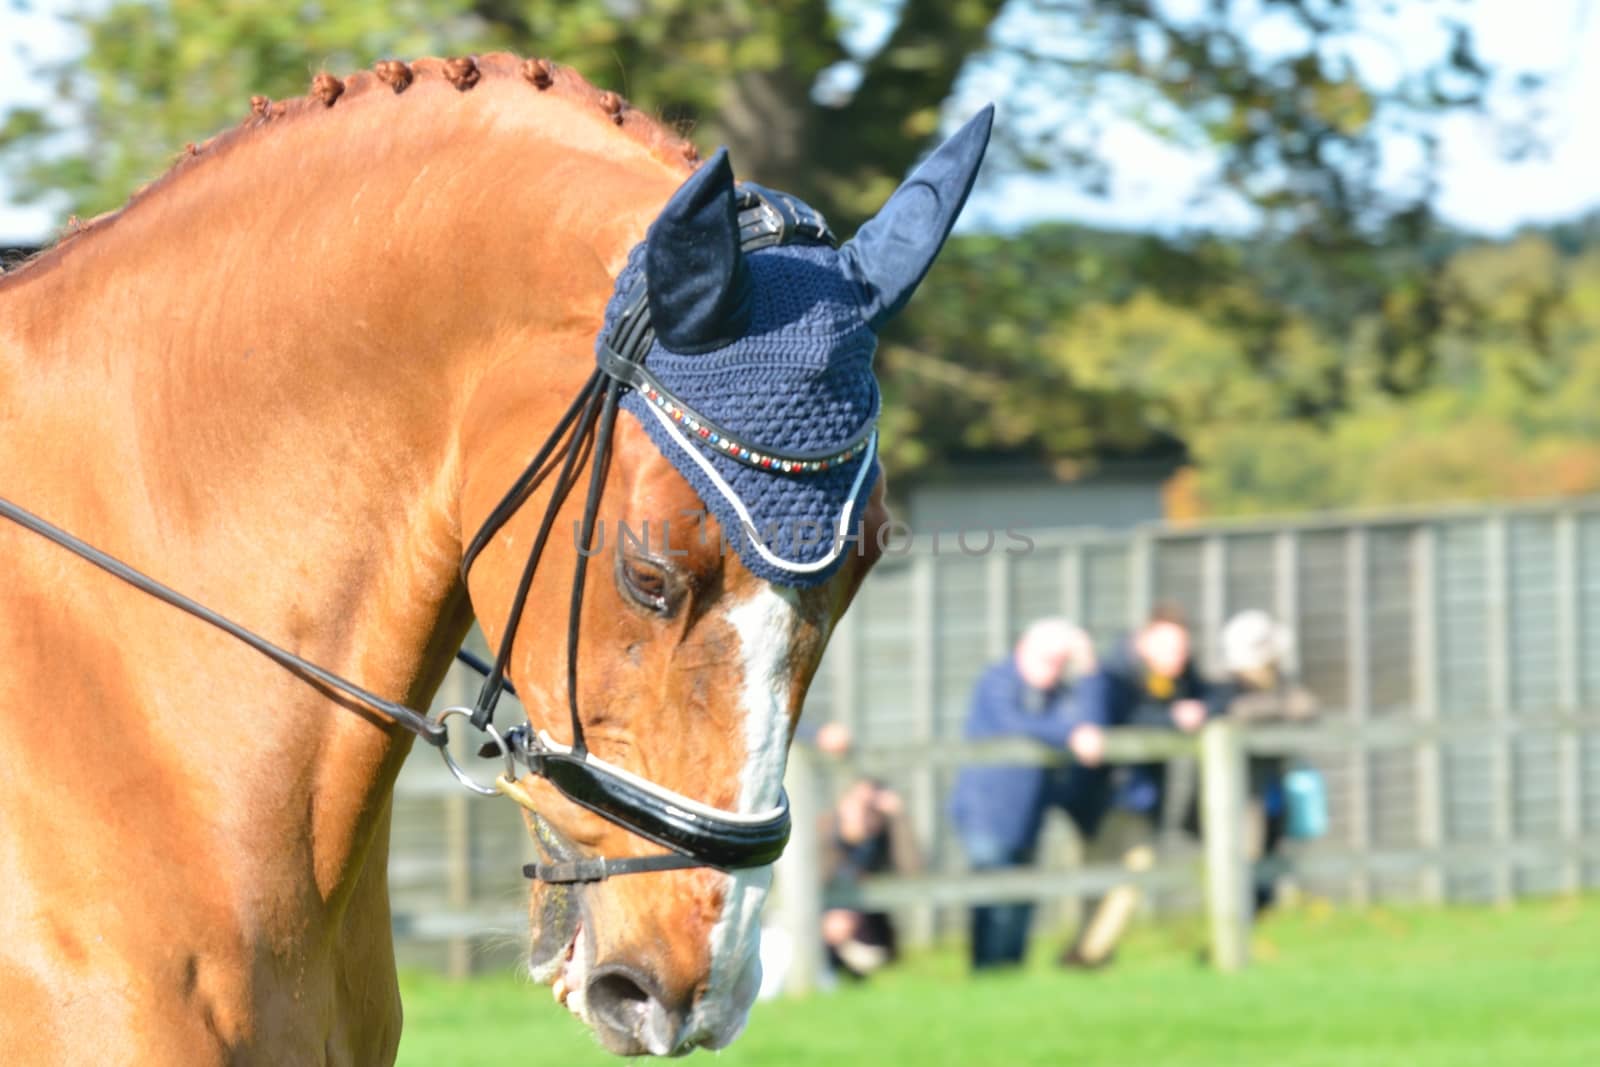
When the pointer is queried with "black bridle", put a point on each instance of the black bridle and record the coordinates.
(696, 835)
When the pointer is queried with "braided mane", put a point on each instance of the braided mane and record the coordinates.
(394, 77)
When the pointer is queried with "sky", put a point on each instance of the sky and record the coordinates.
(1154, 182)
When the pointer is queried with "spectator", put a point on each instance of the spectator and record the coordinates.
(867, 833)
(1257, 688)
(831, 738)
(1147, 680)
(998, 809)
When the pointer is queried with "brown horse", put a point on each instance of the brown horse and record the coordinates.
(291, 379)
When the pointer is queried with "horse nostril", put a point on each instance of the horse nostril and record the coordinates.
(630, 1015)
(618, 1000)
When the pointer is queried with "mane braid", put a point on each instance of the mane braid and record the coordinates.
(394, 76)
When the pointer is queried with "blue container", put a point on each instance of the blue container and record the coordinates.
(1306, 795)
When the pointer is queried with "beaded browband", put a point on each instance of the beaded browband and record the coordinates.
(766, 217)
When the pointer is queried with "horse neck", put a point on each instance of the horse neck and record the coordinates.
(276, 354)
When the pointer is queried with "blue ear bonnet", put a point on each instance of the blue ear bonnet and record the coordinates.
(799, 383)
(746, 338)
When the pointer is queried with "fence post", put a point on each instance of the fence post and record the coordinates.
(1141, 577)
(1074, 601)
(799, 873)
(1503, 798)
(458, 828)
(923, 799)
(1425, 688)
(1286, 592)
(1228, 896)
(843, 656)
(1569, 621)
(1213, 600)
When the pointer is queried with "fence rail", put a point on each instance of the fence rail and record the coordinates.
(1226, 872)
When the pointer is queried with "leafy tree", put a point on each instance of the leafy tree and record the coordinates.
(1267, 357)
(1297, 132)
(1510, 410)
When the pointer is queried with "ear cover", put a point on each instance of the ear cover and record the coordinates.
(698, 282)
(891, 253)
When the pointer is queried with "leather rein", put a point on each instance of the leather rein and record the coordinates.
(695, 834)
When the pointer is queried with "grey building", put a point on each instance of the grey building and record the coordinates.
(1113, 494)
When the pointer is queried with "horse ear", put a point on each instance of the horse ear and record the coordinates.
(889, 256)
(699, 283)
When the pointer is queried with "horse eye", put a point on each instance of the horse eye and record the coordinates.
(647, 585)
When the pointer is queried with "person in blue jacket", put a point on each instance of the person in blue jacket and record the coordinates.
(998, 810)
(1148, 679)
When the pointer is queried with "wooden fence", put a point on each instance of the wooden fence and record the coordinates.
(1484, 618)
(1222, 868)
(1455, 652)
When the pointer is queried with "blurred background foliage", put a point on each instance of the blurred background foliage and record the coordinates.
(1344, 349)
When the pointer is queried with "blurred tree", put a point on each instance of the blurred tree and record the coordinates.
(788, 87)
(1265, 356)
(1295, 383)
(1064, 341)
(1510, 410)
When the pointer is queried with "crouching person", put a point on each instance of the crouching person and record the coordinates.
(866, 833)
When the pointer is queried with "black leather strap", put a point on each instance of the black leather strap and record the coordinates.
(483, 667)
(419, 724)
(570, 455)
(769, 217)
(723, 843)
(537, 470)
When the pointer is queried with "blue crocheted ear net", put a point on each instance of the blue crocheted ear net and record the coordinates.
(799, 380)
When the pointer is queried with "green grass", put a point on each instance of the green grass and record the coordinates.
(1413, 988)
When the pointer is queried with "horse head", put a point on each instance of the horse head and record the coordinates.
(736, 504)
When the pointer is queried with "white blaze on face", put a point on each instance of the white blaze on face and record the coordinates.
(766, 624)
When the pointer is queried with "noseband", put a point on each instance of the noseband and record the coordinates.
(695, 834)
